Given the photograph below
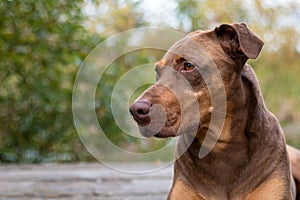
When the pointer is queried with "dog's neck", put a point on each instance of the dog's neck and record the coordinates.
(233, 132)
(230, 152)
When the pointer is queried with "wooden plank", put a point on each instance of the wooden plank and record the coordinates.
(82, 181)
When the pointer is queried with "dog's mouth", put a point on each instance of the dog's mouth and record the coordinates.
(155, 120)
(169, 131)
(163, 133)
(160, 125)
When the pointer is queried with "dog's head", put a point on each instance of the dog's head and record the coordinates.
(197, 67)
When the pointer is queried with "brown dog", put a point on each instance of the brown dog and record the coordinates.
(208, 96)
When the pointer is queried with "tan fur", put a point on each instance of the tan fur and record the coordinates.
(270, 189)
(183, 191)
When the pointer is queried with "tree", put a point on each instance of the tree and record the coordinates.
(42, 44)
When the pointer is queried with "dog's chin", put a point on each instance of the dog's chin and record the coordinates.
(163, 133)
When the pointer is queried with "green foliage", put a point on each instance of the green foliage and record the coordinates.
(42, 44)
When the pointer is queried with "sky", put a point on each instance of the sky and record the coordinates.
(157, 11)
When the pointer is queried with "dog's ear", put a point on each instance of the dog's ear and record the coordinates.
(239, 41)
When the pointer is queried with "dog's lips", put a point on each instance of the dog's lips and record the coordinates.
(163, 133)
(142, 122)
(171, 128)
(146, 132)
(166, 132)
(158, 126)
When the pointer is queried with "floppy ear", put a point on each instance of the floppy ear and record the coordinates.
(238, 41)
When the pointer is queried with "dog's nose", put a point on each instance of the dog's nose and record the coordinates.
(140, 112)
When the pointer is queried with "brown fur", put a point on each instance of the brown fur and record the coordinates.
(250, 158)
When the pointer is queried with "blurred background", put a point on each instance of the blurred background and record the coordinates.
(43, 43)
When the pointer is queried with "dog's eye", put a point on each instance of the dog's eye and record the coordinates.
(188, 66)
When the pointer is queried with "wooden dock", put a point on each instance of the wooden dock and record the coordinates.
(82, 181)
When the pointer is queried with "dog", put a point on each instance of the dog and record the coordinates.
(229, 145)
